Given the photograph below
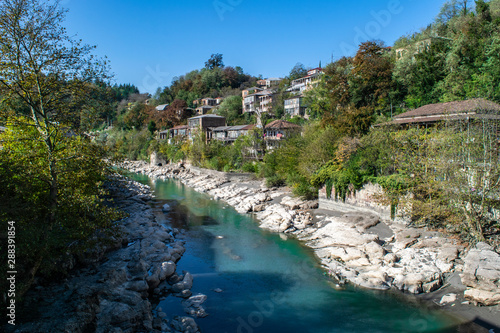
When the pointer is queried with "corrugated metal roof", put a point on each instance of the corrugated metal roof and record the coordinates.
(207, 116)
(161, 107)
(220, 128)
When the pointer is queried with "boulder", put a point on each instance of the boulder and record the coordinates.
(193, 306)
(167, 269)
(484, 297)
(481, 274)
(185, 325)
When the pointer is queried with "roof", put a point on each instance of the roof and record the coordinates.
(205, 107)
(254, 88)
(450, 110)
(233, 128)
(161, 107)
(241, 128)
(220, 128)
(294, 97)
(207, 116)
(180, 127)
(282, 124)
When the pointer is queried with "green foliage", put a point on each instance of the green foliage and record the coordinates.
(152, 127)
(297, 72)
(47, 234)
(215, 61)
(232, 108)
(132, 145)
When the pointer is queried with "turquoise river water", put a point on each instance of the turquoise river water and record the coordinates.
(273, 284)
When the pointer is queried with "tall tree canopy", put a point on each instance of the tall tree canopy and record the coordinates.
(45, 81)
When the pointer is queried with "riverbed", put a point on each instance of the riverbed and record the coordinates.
(258, 281)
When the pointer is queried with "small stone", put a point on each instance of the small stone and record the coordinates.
(448, 298)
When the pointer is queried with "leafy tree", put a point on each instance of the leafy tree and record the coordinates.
(215, 61)
(48, 74)
(297, 72)
(152, 127)
(231, 108)
(371, 77)
(454, 8)
(420, 74)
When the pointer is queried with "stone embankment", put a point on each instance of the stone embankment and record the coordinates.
(357, 247)
(118, 287)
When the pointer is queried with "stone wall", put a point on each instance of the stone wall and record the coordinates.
(231, 176)
(364, 200)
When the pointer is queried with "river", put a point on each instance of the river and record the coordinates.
(258, 281)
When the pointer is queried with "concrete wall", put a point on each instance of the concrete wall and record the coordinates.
(228, 175)
(364, 200)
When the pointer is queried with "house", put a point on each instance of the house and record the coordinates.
(204, 109)
(294, 106)
(2, 129)
(219, 133)
(229, 134)
(236, 131)
(260, 101)
(279, 130)
(418, 47)
(249, 91)
(269, 83)
(203, 123)
(208, 101)
(219, 100)
(162, 107)
(478, 108)
(181, 130)
(305, 83)
(266, 99)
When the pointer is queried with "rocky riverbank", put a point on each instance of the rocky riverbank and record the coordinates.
(117, 287)
(357, 248)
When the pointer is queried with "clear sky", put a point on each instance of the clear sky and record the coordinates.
(149, 42)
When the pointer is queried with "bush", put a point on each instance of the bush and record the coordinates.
(275, 181)
(249, 167)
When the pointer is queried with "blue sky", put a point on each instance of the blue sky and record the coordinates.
(150, 42)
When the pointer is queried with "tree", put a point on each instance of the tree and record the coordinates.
(231, 108)
(215, 61)
(297, 72)
(454, 8)
(48, 74)
(371, 76)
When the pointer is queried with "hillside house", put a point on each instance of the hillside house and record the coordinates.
(203, 123)
(208, 101)
(269, 83)
(229, 134)
(203, 109)
(260, 101)
(294, 106)
(278, 131)
(305, 83)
